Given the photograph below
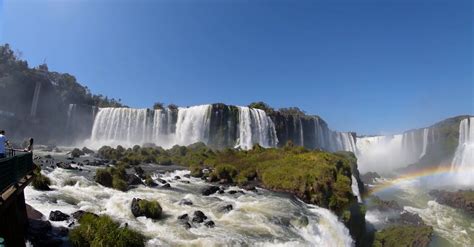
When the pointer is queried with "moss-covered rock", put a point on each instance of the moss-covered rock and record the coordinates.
(112, 177)
(40, 182)
(149, 209)
(103, 231)
(395, 236)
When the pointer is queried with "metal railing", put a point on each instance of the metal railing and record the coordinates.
(14, 167)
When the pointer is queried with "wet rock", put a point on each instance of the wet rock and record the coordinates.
(185, 202)
(33, 213)
(184, 221)
(161, 181)
(184, 217)
(407, 218)
(76, 153)
(64, 166)
(249, 188)
(85, 150)
(461, 199)
(369, 177)
(58, 216)
(210, 224)
(210, 190)
(80, 213)
(140, 172)
(177, 177)
(167, 185)
(185, 182)
(149, 209)
(48, 156)
(133, 180)
(226, 208)
(199, 216)
(187, 175)
(381, 205)
(232, 192)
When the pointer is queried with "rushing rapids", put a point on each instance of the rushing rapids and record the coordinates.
(259, 218)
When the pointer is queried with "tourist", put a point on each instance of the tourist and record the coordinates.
(3, 143)
(30, 145)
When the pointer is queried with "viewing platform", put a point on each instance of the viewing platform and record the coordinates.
(16, 172)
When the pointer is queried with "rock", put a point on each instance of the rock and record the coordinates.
(48, 156)
(64, 166)
(41, 234)
(58, 216)
(161, 181)
(184, 221)
(183, 217)
(210, 190)
(185, 202)
(76, 153)
(177, 177)
(33, 213)
(149, 209)
(199, 216)
(85, 150)
(369, 177)
(140, 172)
(210, 224)
(167, 185)
(187, 175)
(407, 218)
(227, 208)
(249, 187)
(133, 180)
(382, 205)
(185, 182)
(80, 213)
(461, 199)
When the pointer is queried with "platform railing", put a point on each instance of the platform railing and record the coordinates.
(14, 167)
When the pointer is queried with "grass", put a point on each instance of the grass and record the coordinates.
(151, 209)
(395, 236)
(102, 231)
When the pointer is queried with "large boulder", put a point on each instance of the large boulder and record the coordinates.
(199, 217)
(58, 216)
(210, 190)
(149, 209)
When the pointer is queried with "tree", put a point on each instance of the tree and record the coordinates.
(262, 106)
(158, 106)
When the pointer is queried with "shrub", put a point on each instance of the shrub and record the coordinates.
(41, 182)
(224, 171)
(119, 184)
(103, 231)
(103, 177)
(149, 209)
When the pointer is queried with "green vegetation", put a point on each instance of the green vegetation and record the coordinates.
(395, 236)
(112, 177)
(103, 231)
(158, 106)
(40, 182)
(149, 209)
(262, 106)
(316, 177)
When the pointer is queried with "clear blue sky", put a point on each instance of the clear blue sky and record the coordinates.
(378, 66)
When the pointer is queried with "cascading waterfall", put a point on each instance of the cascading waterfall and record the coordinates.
(184, 126)
(463, 162)
(193, 125)
(426, 131)
(121, 125)
(255, 127)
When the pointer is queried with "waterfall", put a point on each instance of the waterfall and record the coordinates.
(120, 125)
(426, 131)
(355, 189)
(184, 126)
(463, 162)
(255, 127)
(193, 125)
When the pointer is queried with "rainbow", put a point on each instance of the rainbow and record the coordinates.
(432, 172)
